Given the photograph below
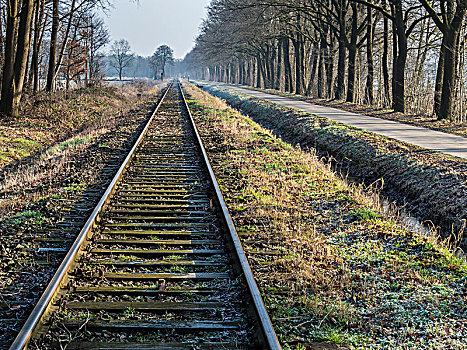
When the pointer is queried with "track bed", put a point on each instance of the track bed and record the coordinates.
(158, 269)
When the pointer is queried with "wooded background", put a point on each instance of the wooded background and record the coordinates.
(42, 40)
(49, 44)
(408, 55)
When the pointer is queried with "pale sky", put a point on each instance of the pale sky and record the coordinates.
(156, 22)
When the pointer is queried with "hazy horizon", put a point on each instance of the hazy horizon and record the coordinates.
(152, 23)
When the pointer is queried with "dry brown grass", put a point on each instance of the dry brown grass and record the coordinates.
(47, 118)
(93, 114)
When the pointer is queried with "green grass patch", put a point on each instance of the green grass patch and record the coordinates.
(17, 148)
(69, 144)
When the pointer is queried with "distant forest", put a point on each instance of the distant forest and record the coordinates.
(404, 55)
(141, 67)
(407, 55)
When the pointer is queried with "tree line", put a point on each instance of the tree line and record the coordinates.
(405, 54)
(123, 61)
(46, 44)
(45, 39)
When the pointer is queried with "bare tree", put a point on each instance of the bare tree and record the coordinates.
(120, 56)
(39, 29)
(343, 48)
(60, 23)
(164, 55)
(97, 35)
(53, 46)
(16, 54)
(449, 21)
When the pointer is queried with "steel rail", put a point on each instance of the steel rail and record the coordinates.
(26, 332)
(266, 326)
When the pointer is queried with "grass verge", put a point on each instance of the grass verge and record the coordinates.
(433, 185)
(49, 118)
(87, 115)
(334, 273)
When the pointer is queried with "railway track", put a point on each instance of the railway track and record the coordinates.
(158, 265)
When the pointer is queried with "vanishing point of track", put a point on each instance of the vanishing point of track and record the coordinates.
(158, 265)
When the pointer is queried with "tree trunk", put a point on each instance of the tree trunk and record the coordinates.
(351, 77)
(272, 66)
(322, 53)
(340, 69)
(302, 61)
(401, 59)
(340, 89)
(244, 73)
(278, 79)
(8, 72)
(36, 45)
(251, 72)
(352, 46)
(258, 72)
(236, 72)
(450, 60)
(1, 39)
(27, 80)
(314, 65)
(267, 67)
(321, 74)
(440, 78)
(384, 62)
(369, 94)
(262, 65)
(53, 47)
(287, 66)
(90, 62)
(22, 53)
(233, 73)
(330, 68)
(298, 65)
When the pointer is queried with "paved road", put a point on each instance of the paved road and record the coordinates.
(430, 139)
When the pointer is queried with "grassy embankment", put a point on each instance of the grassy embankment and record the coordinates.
(433, 185)
(48, 118)
(51, 130)
(330, 267)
